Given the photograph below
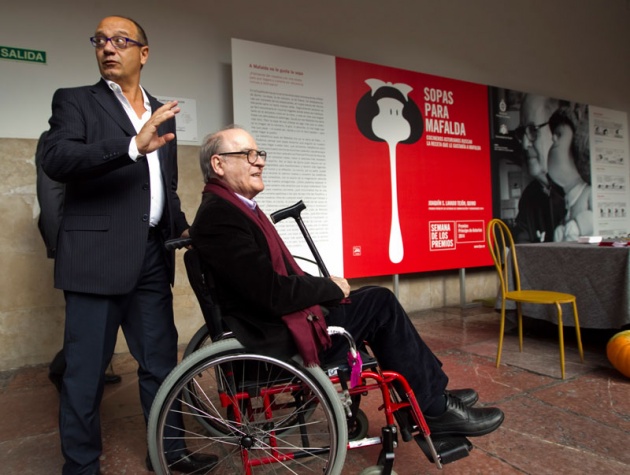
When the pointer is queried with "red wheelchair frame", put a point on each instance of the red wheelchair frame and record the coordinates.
(256, 429)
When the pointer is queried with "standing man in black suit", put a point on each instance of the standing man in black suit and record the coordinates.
(114, 147)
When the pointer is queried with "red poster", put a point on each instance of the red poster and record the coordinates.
(415, 170)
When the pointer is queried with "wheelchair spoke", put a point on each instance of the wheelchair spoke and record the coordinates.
(257, 414)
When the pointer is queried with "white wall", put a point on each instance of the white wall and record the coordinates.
(571, 49)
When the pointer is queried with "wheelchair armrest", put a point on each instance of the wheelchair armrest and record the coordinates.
(332, 368)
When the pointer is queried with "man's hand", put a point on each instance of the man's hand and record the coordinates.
(186, 234)
(342, 283)
(147, 139)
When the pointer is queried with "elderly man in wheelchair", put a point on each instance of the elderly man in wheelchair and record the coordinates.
(254, 404)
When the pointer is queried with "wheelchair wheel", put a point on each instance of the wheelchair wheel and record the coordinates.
(358, 426)
(267, 415)
(200, 339)
(374, 470)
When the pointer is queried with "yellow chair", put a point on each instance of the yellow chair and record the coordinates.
(501, 245)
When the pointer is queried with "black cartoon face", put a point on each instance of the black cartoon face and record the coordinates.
(386, 114)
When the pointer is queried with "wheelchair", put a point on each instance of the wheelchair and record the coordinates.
(261, 414)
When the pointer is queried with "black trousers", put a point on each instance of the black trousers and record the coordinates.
(92, 323)
(58, 365)
(374, 315)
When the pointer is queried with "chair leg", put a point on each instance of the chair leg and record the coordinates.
(561, 338)
(501, 330)
(519, 312)
(577, 331)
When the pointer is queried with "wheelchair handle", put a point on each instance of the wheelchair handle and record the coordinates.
(335, 330)
(177, 243)
(294, 211)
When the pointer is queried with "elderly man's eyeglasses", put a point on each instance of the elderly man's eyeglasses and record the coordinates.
(119, 42)
(530, 131)
(252, 155)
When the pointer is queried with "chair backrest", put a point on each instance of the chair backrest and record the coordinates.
(203, 285)
(501, 245)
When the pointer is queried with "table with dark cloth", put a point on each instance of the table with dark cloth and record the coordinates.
(596, 275)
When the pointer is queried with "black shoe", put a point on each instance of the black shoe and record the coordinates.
(468, 396)
(189, 463)
(467, 421)
(112, 379)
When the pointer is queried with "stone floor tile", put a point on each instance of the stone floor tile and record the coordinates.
(552, 426)
(559, 427)
(599, 396)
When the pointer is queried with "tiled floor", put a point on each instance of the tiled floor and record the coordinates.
(579, 425)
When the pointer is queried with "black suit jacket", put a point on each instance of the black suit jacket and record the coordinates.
(50, 198)
(105, 223)
(252, 296)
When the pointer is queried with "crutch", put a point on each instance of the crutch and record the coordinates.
(294, 212)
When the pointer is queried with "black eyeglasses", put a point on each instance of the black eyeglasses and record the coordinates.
(252, 155)
(119, 42)
(530, 131)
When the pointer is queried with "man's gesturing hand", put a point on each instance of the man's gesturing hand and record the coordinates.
(147, 139)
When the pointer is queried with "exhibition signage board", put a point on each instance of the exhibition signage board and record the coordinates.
(400, 170)
(414, 167)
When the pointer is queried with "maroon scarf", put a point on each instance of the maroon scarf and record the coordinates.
(307, 326)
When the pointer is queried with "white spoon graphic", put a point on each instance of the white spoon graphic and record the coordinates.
(390, 126)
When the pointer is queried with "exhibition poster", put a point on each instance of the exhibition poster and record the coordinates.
(401, 171)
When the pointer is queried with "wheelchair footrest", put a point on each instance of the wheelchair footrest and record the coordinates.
(449, 449)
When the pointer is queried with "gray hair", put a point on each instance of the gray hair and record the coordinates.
(550, 104)
(209, 147)
(576, 116)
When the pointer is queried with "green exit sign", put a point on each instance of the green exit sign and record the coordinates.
(19, 54)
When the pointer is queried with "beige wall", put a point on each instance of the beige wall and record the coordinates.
(32, 311)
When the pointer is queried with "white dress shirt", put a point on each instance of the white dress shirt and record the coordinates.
(155, 175)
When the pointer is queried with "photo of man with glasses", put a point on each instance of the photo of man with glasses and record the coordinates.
(542, 205)
(524, 195)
